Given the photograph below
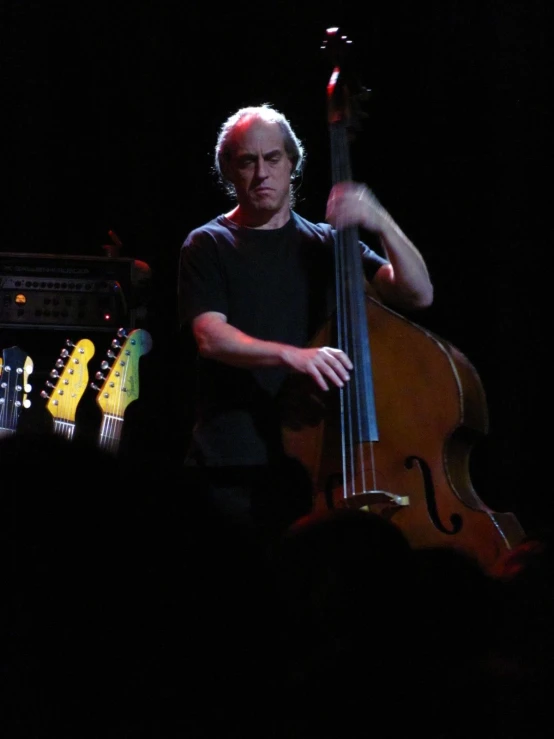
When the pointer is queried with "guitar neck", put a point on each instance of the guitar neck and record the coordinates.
(64, 428)
(121, 384)
(109, 437)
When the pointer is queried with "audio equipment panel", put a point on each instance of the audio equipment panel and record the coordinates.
(66, 291)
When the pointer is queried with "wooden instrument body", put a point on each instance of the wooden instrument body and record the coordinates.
(431, 409)
(397, 439)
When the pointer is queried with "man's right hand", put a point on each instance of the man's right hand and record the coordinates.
(324, 364)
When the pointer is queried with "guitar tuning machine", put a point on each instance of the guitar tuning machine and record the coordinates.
(26, 403)
(23, 388)
(18, 387)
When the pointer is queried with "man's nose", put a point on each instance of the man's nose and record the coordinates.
(261, 168)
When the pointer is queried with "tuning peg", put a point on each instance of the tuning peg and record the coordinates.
(111, 354)
(64, 353)
(44, 394)
(94, 387)
(59, 363)
(26, 403)
(27, 387)
(122, 333)
(54, 373)
(99, 376)
(49, 384)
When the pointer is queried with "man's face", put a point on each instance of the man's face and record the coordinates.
(259, 167)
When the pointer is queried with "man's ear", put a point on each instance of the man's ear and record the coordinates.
(293, 164)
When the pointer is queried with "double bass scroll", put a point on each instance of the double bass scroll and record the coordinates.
(396, 440)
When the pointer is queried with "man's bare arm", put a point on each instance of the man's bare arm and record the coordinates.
(405, 282)
(217, 339)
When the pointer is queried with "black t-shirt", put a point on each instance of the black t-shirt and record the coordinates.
(276, 285)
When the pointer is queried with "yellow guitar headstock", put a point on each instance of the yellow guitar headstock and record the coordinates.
(71, 375)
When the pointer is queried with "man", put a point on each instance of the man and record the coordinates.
(254, 286)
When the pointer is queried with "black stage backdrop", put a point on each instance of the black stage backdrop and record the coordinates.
(112, 112)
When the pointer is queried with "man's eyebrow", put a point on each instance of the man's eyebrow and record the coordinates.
(248, 154)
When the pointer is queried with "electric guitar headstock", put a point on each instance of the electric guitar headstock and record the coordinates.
(120, 380)
(71, 375)
(15, 368)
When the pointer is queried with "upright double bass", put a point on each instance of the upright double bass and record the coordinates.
(396, 439)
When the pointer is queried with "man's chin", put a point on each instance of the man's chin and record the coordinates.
(269, 201)
(267, 205)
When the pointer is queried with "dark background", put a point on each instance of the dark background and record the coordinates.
(113, 109)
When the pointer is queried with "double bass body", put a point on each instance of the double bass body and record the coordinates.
(431, 409)
(397, 439)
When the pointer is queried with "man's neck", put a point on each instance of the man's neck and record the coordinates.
(259, 219)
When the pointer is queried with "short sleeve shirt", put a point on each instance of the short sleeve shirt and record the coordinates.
(276, 285)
